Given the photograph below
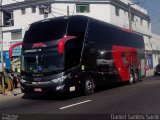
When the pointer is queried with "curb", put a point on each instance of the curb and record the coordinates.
(150, 72)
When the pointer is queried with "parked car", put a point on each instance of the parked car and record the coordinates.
(157, 70)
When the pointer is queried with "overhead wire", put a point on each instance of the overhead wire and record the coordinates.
(143, 4)
(73, 9)
(156, 16)
(140, 9)
(52, 12)
(50, 6)
(23, 16)
(26, 16)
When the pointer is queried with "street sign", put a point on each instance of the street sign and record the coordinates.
(16, 50)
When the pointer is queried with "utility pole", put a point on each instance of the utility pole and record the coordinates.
(1, 41)
(67, 10)
(129, 14)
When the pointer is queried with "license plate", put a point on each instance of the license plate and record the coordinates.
(37, 89)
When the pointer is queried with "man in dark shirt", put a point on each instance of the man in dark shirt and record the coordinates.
(1, 79)
(15, 82)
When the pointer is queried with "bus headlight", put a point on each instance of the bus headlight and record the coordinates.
(60, 87)
(59, 80)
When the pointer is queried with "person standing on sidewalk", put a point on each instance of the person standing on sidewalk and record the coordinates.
(15, 82)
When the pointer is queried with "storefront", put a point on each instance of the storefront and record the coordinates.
(13, 63)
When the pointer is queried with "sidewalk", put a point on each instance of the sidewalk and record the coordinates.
(149, 72)
(12, 93)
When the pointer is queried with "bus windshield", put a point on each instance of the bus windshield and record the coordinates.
(46, 31)
(38, 63)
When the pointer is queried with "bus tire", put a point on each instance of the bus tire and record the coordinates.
(88, 87)
(131, 78)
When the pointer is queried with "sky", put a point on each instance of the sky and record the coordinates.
(153, 9)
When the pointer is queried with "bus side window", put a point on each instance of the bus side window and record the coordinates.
(72, 54)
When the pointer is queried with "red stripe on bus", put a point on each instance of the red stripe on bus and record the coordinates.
(12, 47)
(62, 41)
(123, 57)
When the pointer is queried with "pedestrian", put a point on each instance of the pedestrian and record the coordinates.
(1, 79)
(15, 82)
(18, 80)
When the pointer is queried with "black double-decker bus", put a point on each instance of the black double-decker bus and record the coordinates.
(67, 54)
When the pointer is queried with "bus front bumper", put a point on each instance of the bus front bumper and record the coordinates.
(46, 87)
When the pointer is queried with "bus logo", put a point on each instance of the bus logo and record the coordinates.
(36, 45)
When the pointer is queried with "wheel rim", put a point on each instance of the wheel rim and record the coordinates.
(136, 76)
(88, 85)
(131, 78)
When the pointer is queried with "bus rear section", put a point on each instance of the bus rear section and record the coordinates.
(120, 53)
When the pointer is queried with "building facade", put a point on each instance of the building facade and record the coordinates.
(122, 13)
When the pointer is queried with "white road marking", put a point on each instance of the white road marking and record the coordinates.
(75, 104)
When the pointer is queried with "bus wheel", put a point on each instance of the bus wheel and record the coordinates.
(131, 78)
(88, 86)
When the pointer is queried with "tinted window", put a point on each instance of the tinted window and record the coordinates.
(46, 31)
(102, 34)
(73, 50)
(77, 26)
(51, 61)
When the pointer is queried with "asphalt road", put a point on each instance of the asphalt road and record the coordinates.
(140, 99)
